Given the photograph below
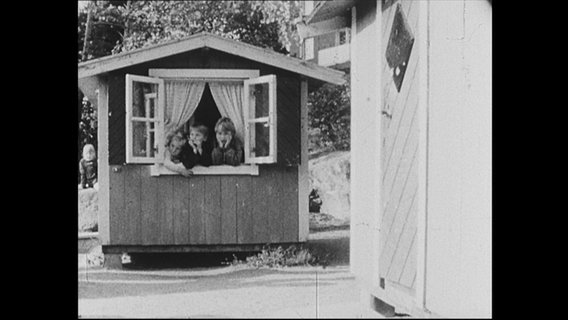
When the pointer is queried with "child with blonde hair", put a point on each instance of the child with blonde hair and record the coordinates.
(227, 148)
(88, 168)
(177, 152)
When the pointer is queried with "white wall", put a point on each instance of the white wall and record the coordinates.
(458, 258)
(365, 159)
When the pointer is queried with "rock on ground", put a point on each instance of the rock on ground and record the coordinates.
(329, 175)
(88, 209)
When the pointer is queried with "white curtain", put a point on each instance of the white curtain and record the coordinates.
(182, 98)
(229, 99)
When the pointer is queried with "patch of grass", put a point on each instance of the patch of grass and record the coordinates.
(278, 257)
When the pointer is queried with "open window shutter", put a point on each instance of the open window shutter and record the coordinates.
(260, 119)
(145, 101)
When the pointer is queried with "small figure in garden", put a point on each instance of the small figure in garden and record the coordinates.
(200, 150)
(227, 149)
(88, 168)
(177, 155)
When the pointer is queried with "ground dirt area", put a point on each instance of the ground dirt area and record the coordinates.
(208, 286)
(217, 291)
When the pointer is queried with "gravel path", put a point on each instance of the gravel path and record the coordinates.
(226, 292)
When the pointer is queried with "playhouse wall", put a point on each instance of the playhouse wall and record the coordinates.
(458, 280)
(175, 210)
(288, 99)
(211, 209)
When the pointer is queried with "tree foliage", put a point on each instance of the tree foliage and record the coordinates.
(261, 23)
(329, 117)
(105, 31)
(87, 125)
(120, 26)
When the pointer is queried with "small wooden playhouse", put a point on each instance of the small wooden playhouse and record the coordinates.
(142, 94)
(420, 152)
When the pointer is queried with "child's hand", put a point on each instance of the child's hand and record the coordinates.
(220, 143)
(193, 146)
(187, 173)
(229, 138)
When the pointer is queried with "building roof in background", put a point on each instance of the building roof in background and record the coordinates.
(324, 10)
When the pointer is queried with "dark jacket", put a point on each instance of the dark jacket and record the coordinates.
(232, 155)
(88, 170)
(189, 159)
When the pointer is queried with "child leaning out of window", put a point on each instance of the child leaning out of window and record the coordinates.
(177, 154)
(200, 149)
(227, 149)
(88, 168)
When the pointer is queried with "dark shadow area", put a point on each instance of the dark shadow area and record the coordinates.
(152, 261)
(331, 251)
(207, 113)
(383, 308)
(386, 310)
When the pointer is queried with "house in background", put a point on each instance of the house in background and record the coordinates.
(143, 94)
(421, 230)
(326, 44)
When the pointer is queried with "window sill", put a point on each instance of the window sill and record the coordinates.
(243, 169)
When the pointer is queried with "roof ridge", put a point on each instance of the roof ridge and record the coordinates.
(217, 42)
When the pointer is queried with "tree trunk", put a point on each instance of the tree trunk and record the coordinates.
(127, 22)
(87, 30)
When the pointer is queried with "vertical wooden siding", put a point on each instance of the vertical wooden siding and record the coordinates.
(116, 119)
(399, 185)
(169, 210)
(205, 209)
(288, 121)
(288, 99)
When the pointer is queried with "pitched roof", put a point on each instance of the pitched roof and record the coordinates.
(324, 10)
(202, 40)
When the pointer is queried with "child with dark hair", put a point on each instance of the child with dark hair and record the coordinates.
(227, 148)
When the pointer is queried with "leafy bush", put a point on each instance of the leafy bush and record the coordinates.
(278, 257)
(329, 114)
(87, 127)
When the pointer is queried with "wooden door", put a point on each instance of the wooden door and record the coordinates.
(399, 138)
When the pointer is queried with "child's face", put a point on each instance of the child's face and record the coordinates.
(177, 142)
(196, 137)
(223, 136)
(89, 155)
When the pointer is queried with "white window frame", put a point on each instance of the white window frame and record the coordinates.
(270, 120)
(205, 75)
(308, 7)
(157, 120)
(347, 36)
(309, 53)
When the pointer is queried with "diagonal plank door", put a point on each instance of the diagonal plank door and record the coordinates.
(399, 138)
